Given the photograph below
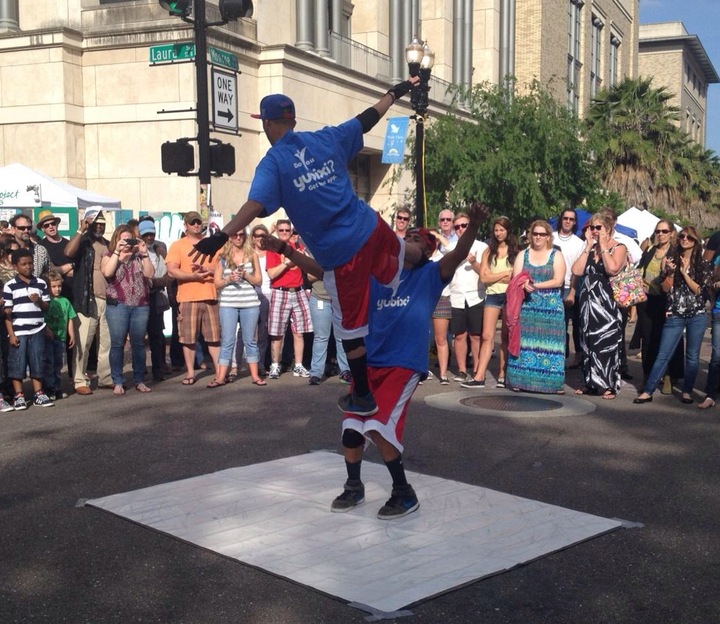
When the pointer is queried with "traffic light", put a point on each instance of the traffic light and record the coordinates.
(177, 157)
(179, 8)
(222, 159)
(233, 9)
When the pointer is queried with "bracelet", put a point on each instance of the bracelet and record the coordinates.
(78, 232)
(116, 253)
(144, 257)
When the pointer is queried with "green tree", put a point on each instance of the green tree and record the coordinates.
(521, 154)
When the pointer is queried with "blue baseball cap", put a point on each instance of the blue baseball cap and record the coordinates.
(276, 106)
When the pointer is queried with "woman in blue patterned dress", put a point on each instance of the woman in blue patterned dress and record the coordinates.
(540, 365)
(600, 319)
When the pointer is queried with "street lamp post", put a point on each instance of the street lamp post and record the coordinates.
(420, 60)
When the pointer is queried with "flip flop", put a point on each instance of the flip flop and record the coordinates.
(260, 382)
(188, 381)
(216, 384)
(118, 390)
(141, 387)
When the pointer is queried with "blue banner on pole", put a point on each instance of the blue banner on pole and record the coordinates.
(395, 135)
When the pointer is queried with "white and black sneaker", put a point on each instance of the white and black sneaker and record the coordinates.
(402, 502)
(300, 371)
(42, 400)
(473, 383)
(352, 496)
(274, 371)
(461, 376)
(19, 403)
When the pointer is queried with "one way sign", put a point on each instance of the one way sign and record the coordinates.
(225, 108)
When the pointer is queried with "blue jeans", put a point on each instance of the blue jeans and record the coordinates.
(694, 328)
(124, 320)
(712, 387)
(54, 356)
(30, 352)
(321, 315)
(248, 319)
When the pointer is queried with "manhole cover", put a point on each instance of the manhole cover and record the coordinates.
(505, 404)
(511, 403)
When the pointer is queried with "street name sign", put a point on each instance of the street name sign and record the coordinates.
(223, 59)
(224, 95)
(172, 53)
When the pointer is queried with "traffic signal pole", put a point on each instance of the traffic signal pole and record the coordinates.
(201, 82)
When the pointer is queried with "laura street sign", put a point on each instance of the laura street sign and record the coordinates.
(172, 53)
(224, 92)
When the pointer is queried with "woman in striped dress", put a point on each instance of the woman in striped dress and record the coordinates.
(237, 275)
(540, 365)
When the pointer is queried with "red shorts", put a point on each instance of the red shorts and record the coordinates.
(392, 388)
(382, 257)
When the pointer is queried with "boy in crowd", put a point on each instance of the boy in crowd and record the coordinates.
(26, 298)
(397, 360)
(59, 331)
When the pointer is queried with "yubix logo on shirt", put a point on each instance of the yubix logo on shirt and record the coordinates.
(316, 177)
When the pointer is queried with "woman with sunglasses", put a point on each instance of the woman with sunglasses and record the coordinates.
(259, 232)
(540, 365)
(601, 332)
(496, 268)
(686, 280)
(651, 313)
(236, 279)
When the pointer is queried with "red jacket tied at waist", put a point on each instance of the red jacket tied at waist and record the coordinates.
(515, 297)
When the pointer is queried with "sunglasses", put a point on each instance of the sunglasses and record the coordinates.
(569, 219)
(23, 228)
(49, 224)
(662, 231)
(445, 219)
(398, 218)
(596, 228)
(195, 222)
(460, 226)
(239, 234)
(684, 236)
(283, 229)
(543, 234)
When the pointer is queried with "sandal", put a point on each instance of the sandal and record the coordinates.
(259, 382)
(216, 384)
(188, 381)
(707, 403)
(141, 387)
(118, 390)
(608, 395)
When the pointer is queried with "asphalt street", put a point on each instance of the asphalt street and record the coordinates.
(655, 465)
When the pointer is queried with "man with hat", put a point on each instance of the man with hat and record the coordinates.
(196, 295)
(55, 244)
(306, 173)
(22, 227)
(85, 250)
(159, 302)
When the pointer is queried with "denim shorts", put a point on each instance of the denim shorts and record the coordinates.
(29, 353)
(496, 300)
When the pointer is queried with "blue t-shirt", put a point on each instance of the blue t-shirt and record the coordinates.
(400, 323)
(306, 174)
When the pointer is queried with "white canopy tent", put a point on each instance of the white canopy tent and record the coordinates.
(22, 187)
(642, 221)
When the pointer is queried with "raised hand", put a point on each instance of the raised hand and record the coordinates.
(208, 247)
(478, 212)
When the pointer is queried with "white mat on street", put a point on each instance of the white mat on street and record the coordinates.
(276, 516)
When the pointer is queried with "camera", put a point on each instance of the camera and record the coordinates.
(131, 241)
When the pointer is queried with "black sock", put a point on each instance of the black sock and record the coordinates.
(358, 368)
(353, 470)
(397, 471)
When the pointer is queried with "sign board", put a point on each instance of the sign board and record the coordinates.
(172, 53)
(223, 59)
(394, 146)
(224, 95)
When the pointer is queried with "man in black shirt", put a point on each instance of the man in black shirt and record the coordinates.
(55, 244)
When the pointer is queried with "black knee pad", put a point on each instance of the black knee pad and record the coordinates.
(352, 343)
(352, 439)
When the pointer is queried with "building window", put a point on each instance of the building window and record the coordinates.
(574, 64)
(595, 56)
(359, 170)
(614, 59)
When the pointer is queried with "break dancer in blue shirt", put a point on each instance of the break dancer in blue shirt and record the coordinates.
(306, 174)
(397, 356)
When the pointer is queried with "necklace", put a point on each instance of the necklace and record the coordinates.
(564, 238)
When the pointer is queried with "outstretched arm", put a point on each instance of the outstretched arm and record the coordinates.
(369, 117)
(306, 263)
(478, 214)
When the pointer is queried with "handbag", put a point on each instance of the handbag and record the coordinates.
(628, 287)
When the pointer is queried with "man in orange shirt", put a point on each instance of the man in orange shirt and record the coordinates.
(196, 295)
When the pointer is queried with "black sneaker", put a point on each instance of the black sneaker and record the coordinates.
(461, 376)
(352, 496)
(360, 406)
(473, 383)
(402, 502)
(444, 381)
(500, 383)
(314, 381)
